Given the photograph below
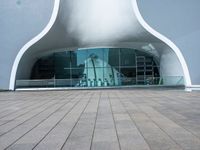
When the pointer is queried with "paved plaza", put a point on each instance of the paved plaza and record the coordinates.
(129, 119)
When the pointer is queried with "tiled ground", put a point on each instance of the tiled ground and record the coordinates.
(100, 120)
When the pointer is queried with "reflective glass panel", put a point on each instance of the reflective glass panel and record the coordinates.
(97, 67)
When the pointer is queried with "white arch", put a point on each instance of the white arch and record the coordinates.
(165, 40)
(140, 20)
(31, 42)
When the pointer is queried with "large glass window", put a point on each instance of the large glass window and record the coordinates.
(97, 67)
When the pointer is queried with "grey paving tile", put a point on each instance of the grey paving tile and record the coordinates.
(57, 137)
(15, 108)
(81, 136)
(182, 136)
(5, 105)
(22, 112)
(12, 136)
(129, 136)
(35, 135)
(123, 119)
(105, 136)
(22, 119)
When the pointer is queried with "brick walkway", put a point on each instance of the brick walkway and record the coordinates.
(100, 120)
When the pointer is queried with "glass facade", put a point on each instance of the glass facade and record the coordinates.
(99, 67)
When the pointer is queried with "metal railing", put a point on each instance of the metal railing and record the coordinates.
(79, 82)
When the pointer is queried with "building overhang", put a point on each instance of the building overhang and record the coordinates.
(100, 23)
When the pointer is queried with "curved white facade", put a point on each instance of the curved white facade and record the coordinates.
(94, 24)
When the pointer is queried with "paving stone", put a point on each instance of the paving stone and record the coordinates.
(57, 137)
(129, 136)
(117, 119)
(105, 136)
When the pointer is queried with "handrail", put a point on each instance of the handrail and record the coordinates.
(80, 82)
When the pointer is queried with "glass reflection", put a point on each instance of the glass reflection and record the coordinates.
(100, 67)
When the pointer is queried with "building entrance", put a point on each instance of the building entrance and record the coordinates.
(100, 67)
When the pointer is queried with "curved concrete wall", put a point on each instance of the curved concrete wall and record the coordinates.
(179, 21)
(83, 24)
(75, 28)
(20, 21)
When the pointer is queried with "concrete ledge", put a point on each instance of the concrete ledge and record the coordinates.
(193, 88)
(97, 88)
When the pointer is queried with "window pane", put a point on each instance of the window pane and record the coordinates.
(78, 58)
(112, 57)
(127, 57)
(62, 65)
(95, 56)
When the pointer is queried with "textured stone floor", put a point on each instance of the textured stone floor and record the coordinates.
(100, 120)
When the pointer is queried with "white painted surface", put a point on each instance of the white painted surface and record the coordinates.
(80, 24)
(165, 40)
(30, 43)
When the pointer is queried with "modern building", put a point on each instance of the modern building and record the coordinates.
(99, 43)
